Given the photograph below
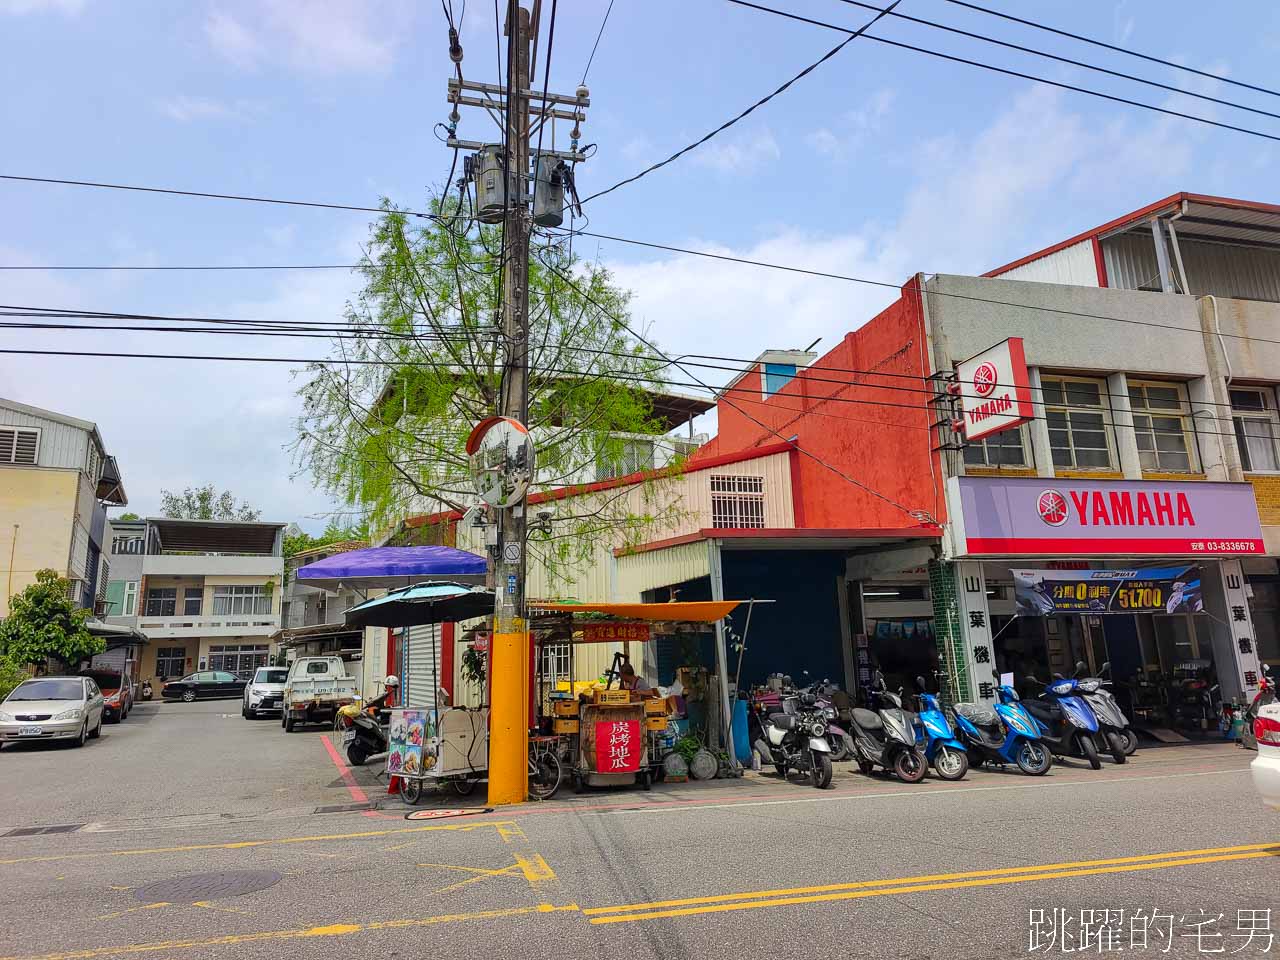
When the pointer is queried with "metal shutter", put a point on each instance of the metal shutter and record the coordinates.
(422, 665)
(19, 446)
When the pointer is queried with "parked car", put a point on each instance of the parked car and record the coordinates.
(52, 708)
(207, 684)
(316, 688)
(117, 693)
(265, 692)
(1266, 765)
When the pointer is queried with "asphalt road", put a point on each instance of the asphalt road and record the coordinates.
(188, 832)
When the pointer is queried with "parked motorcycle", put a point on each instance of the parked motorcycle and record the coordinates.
(1266, 694)
(1068, 726)
(1112, 722)
(146, 690)
(886, 737)
(837, 736)
(796, 739)
(942, 750)
(363, 726)
(1003, 735)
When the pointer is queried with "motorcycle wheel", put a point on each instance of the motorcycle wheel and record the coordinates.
(820, 772)
(1034, 759)
(865, 767)
(1090, 751)
(909, 766)
(951, 764)
(782, 770)
(1130, 741)
(357, 754)
(1116, 743)
(411, 790)
(840, 750)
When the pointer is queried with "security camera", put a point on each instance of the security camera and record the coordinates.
(544, 514)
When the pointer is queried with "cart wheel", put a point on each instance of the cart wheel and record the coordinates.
(646, 780)
(463, 788)
(411, 790)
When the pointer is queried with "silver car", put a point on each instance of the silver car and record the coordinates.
(264, 693)
(52, 708)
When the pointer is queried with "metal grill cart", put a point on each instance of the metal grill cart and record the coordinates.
(448, 747)
(613, 734)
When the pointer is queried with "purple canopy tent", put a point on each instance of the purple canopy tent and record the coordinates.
(385, 568)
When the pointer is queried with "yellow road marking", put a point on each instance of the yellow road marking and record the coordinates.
(925, 887)
(121, 913)
(206, 905)
(249, 844)
(1000, 872)
(331, 930)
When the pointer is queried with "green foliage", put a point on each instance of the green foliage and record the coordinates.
(205, 503)
(473, 665)
(333, 533)
(11, 674)
(128, 516)
(688, 746)
(385, 422)
(43, 624)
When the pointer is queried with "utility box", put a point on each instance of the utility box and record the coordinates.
(491, 194)
(548, 192)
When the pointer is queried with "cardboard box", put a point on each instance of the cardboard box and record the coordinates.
(565, 708)
(565, 726)
(613, 696)
(655, 708)
(655, 723)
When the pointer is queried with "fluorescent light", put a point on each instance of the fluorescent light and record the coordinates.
(880, 593)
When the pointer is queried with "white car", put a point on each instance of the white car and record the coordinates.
(1266, 766)
(52, 708)
(264, 693)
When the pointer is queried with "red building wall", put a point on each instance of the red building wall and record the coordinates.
(872, 426)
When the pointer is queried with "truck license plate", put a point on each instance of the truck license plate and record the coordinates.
(348, 736)
(30, 731)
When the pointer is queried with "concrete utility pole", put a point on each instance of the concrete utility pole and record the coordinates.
(509, 666)
(509, 649)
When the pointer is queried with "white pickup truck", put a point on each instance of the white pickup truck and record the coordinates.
(314, 691)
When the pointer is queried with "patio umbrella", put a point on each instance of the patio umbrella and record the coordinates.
(381, 568)
(424, 603)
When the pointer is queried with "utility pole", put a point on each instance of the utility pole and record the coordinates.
(503, 176)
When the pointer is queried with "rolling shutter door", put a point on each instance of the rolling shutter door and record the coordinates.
(422, 666)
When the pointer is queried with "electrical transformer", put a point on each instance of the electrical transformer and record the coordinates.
(548, 192)
(491, 197)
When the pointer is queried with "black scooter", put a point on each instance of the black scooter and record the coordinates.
(886, 737)
(1112, 723)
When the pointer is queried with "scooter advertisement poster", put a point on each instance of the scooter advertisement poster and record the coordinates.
(1041, 593)
(409, 750)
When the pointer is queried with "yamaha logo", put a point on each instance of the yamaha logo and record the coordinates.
(1052, 507)
(985, 379)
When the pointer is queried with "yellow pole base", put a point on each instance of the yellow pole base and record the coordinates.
(509, 717)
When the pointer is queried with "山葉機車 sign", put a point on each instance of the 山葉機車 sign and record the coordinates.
(1043, 593)
(994, 390)
(1062, 517)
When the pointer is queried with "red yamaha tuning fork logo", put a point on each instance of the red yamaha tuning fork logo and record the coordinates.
(985, 379)
(1052, 507)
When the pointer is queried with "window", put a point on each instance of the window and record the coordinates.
(1077, 420)
(1257, 429)
(170, 661)
(222, 676)
(238, 659)
(93, 463)
(191, 601)
(776, 376)
(1003, 449)
(318, 666)
(737, 502)
(162, 601)
(240, 599)
(19, 444)
(1162, 423)
(555, 663)
(130, 606)
(126, 544)
(627, 457)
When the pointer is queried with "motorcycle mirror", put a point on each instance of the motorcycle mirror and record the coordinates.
(1081, 667)
(921, 684)
(1106, 668)
(1058, 676)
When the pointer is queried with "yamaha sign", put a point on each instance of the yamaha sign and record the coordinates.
(994, 390)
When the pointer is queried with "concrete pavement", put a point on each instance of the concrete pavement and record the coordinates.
(750, 867)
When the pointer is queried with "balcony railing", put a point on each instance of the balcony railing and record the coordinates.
(217, 626)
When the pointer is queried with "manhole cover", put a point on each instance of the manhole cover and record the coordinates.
(207, 886)
(445, 814)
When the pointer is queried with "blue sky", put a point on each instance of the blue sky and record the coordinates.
(880, 164)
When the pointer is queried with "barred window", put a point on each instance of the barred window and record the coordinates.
(737, 502)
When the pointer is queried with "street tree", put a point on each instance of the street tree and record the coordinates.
(205, 503)
(385, 420)
(43, 624)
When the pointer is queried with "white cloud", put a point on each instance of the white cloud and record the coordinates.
(184, 109)
(19, 7)
(854, 127)
(744, 153)
(323, 36)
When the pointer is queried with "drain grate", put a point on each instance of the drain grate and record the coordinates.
(196, 887)
(37, 831)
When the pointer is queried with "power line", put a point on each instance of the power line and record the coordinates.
(1068, 60)
(599, 34)
(853, 35)
(1011, 73)
(1108, 46)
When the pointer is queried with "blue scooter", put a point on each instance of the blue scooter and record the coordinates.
(933, 732)
(1067, 724)
(1007, 734)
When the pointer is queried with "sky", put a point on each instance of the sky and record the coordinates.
(879, 164)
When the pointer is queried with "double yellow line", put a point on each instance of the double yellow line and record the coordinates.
(760, 899)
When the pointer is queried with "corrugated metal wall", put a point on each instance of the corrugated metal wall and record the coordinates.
(1226, 270)
(61, 445)
(1131, 262)
(1072, 265)
(639, 572)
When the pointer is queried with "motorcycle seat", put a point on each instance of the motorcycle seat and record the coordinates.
(866, 719)
(783, 721)
(979, 716)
